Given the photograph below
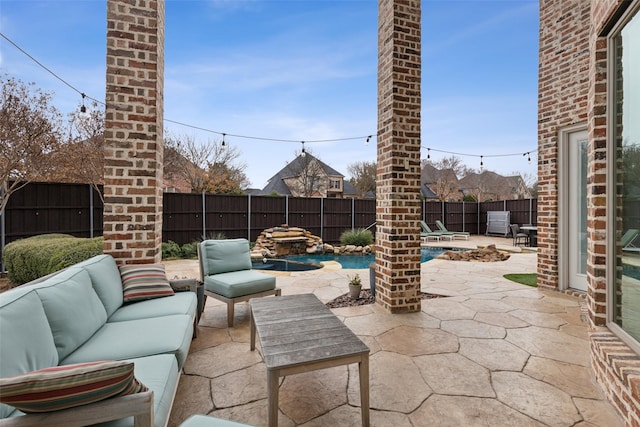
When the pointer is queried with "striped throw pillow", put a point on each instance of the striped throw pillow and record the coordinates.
(67, 386)
(145, 281)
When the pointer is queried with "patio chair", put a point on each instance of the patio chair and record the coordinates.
(225, 270)
(518, 236)
(427, 233)
(462, 234)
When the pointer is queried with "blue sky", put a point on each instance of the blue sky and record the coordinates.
(304, 70)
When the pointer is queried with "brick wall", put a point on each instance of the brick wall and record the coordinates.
(133, 130)
(562, 101)
(398, 185)
(573, 89)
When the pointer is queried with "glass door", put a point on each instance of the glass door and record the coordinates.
(577, 206)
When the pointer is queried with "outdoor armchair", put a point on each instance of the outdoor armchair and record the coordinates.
(519, 237)
(225, 270)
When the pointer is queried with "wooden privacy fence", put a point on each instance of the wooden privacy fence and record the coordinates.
(76, 209)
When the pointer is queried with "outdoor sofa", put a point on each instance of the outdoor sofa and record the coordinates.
(82, 314)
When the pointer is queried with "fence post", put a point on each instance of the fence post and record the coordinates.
(286, 210)
(204, 214)
(442, 214)
(322, 218)
(90, 211)
(249, 217)
(2, 233)
(353, 214)
(530, 210)
(478, 216)
(464, 217)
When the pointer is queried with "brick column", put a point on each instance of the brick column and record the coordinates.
(133, 130)
(398, 167)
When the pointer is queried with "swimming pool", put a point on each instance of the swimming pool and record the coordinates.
(358, 261)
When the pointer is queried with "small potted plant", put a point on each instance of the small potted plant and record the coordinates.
(355, 286)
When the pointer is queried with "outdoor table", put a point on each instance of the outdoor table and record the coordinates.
(298, 333)
(533, 234)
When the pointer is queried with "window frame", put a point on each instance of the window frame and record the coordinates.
(616, 28)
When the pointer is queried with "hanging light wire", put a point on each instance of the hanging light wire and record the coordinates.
(366, 137)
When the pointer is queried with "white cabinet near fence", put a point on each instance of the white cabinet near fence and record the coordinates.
(498, 222)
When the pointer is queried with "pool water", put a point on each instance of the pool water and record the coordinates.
(358, 261)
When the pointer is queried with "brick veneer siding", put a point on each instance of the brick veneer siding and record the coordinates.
(133, 130)
(398, 166)
(572, 48)
(562, 101)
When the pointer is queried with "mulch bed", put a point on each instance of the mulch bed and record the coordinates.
(365, 298)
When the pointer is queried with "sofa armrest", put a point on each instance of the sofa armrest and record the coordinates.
(138, 405)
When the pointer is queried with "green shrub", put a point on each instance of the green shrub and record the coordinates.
(171, 250)
(31, 258)
(357, 237)
(190, 250)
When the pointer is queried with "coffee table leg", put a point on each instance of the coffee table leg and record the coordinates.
(364, 389)
(272, 393)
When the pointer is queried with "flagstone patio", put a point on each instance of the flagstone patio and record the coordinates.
(491, 353)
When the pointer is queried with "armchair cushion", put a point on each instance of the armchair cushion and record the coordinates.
(62, 387)
(223, 256)
(145, 281)
(239, 283)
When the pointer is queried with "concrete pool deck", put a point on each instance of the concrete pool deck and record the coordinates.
(490, 353)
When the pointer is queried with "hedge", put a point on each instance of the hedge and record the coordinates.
(31, 258)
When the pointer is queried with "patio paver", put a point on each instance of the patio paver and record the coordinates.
(491, 353)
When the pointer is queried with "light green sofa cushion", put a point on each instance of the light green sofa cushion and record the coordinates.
(26, 341)
(239, 283)
(137, 338)
(160, 373)
(105, 278)
(180, 303)
(222, 256)
(73, 309)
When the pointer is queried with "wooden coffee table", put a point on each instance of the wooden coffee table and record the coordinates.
(298, 333)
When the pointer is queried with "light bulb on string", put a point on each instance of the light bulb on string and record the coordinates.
(223, 142)
(529, 158)
(83, 109)
(428, 153)
(481, 162)
(368, 139)
(303, 152)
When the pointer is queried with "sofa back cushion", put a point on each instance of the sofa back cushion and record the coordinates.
(105, 278)
(73, 309)
(224, 256)
(26, 341)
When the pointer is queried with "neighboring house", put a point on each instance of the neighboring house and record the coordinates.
(443, 184)
(488, 186)
(588, 188)
(307, 176)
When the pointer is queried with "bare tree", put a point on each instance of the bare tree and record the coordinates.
(452, 162)
(81, 157)
(209, 167)
(29, 131)
(363, 176)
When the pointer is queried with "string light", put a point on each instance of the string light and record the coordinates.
(83, 109)
(303, 153)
